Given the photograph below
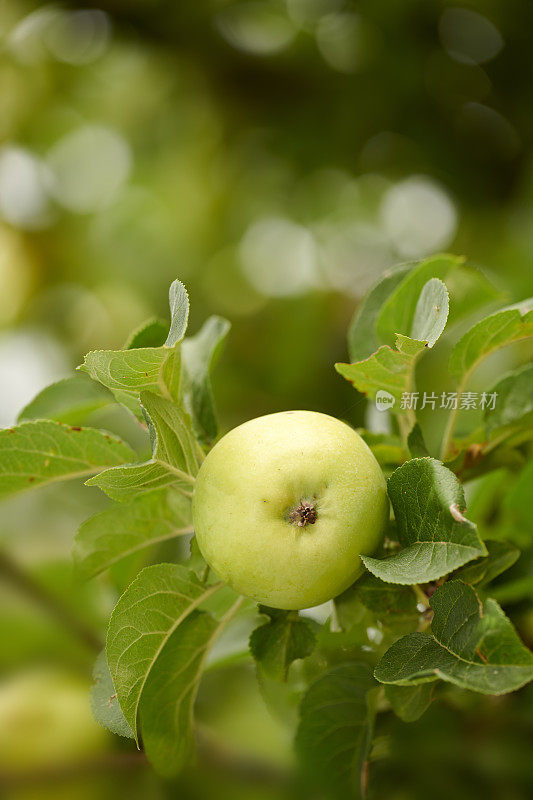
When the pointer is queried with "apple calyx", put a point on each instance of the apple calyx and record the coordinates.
(304, 514)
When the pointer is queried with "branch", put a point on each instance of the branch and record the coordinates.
(23, 581)
(107, 762)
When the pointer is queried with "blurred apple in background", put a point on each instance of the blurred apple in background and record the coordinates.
(46, 721)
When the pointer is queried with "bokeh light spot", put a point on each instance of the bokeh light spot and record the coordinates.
(418, 216)
(469, 36)
(488, 133)
(23, 196)
(352, 255)
(89, 166)
(258, 28)
(29, 361)
(344, 41)
(279, 257)
(79, 37)
(74, 37)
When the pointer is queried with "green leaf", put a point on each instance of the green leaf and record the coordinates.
(490, 334)
(283, 639)
(175, 458)
(196, 562)
(475, 456)
(151, 609)
(128, 372)
(104, 702)
(151, 333)
(362, 338)
(199, 354)
(179, 313)
(167, 702)
(409, 702)
(517, 500)
(334, 733)
(126, 483)
(398, 311)
(472, 645)
(514, 591)
(155, 369)
(431, 312)
(393, 605)
(391, 370)
(514, 401)
(415, 442)
(386, 370)
(70, 401)
(387, 448)
(501, 556)
(123, 530)
(436, 538)
(408, 346)
(349, 609)
(390, 306)
(173, 441)
(166, 711)
(37, 453)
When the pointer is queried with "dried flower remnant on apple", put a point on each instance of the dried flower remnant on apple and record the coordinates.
(305, 514)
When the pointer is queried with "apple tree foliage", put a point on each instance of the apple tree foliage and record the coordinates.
(424, 614)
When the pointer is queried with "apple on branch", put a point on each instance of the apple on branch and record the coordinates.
(285, 504)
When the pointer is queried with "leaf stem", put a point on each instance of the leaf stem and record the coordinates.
(407, 421)
(420, 595)
(179, 472)
(230, 612)
(222, 624)
(450, 424)
(200, 451)
(55, 607)
(404, 425)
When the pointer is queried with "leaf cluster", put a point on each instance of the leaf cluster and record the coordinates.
(425, 610)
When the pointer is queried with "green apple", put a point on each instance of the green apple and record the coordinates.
(284, 505)
(46, 721)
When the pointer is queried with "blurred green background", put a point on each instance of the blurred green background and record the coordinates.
(276, 156)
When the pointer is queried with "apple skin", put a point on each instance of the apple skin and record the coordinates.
(252, 480)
